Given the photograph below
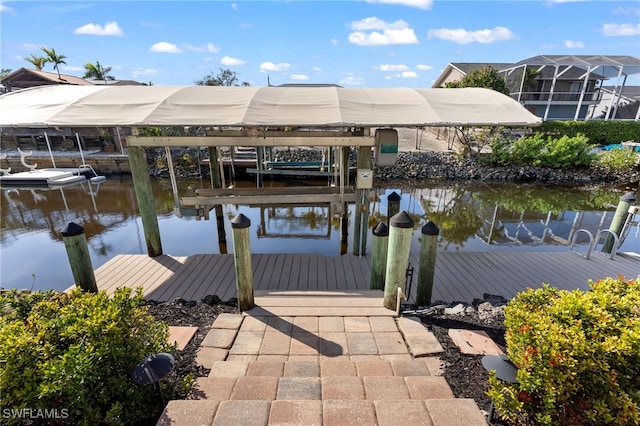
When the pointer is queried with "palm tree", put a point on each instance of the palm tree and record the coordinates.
(36, 61)
(97, 72)
(530, 81)
(54, 58)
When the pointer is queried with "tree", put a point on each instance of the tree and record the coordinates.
(225, 77)
(4, 72)
(487, 77)
(530, 79)
(54, 58)
(36, 61)
(97, 72)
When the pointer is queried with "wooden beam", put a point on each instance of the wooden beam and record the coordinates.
(240, 140)
(258, 199)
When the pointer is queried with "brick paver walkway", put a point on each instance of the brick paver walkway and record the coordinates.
(321, 371)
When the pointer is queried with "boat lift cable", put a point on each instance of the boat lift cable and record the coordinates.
(80, 148)
(172, 175)
(46, 138)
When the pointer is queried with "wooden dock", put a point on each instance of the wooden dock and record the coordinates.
(459, 276)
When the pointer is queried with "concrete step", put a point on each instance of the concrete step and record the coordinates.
(341, 367)
(329, 412)
(272, 388)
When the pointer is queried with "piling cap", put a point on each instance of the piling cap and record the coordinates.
(402, 220)
(629, 197)
(381, 230)
(240, 221)
(72, 229)
(394, 196)
(430, 229)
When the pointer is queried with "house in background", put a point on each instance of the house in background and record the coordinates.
(561, 87)
(624, 108)
(24, 78)
(64, 139)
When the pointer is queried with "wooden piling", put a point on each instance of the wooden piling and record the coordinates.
(214, 168)
(242, 260)
(428, 250)
(75, 242)
(380, 244)
(146, 200)
(619, 219)
(401, 228)
(393, 205)
(363, 163)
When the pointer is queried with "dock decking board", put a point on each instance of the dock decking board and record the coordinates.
(460, 276)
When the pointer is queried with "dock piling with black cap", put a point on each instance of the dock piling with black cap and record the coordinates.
(242, 260)
(400, 231)
(75, 242)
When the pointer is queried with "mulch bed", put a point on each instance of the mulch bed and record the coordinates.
(464, 373)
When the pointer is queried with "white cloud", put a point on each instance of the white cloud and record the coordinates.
(234, 6)
(299, 77)
(5, 8)
(334, 41)
(424, 67)
(109, 29)
(408, 74)
(420, 4)
(209, 47)
(374, 23)
(68, 68)
(392, 67)
(317, 69)
(352, 80)
(270, 66)
(626, 10)
(612, 30)
(143, 72)
(246, 25)
(231, 62)
(463, 36)
(573, 44)
(164, 47)
(397, 32)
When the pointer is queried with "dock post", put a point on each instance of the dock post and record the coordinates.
(75, 242)
(344, 231)
(393, 205)
(380, 245)
(214, 172)
(363, 185)
(400, 230)
(428, 250)
(146, 201)
(242, 261)
(357, 228)
(619, 219)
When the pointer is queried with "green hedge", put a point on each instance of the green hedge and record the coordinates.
(578, 355)
(543, 151)
(597, 131)
(71, 356)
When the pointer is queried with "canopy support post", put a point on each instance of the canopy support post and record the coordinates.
(146, 201)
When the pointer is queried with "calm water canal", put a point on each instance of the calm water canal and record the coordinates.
(471, 217)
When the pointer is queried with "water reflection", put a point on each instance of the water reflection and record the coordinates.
(475, 217)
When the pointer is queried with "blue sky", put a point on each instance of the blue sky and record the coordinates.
(377, 43)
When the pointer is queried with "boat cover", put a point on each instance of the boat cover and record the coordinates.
(130, 106)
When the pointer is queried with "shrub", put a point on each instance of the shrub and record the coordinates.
(538, 150)
(578, 355)
(75, 352)
(618, 159)
(599, 132)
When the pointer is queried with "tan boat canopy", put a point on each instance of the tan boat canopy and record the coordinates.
(247, 107)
